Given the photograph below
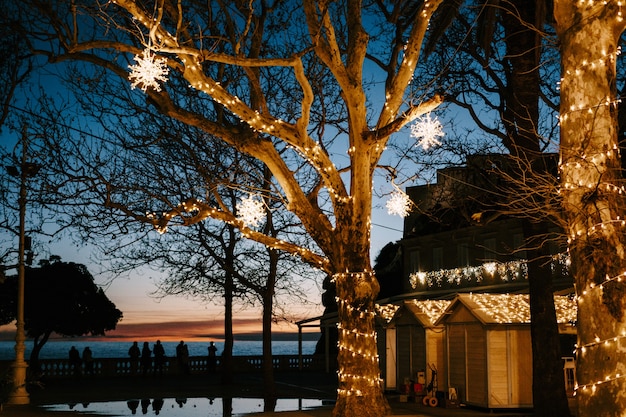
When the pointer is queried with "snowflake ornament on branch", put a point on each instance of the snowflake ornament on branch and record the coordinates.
(427, 131)
(148, 71)
(251, 211)
(399, 204)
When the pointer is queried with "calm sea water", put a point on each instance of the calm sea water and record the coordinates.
(58, 349)
(186, 407)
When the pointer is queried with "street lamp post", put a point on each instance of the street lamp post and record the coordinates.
(19, 394)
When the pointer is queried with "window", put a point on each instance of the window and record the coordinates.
(490, 249)
(518, 242)
(462, 255)
(414, 261)
(437, 258)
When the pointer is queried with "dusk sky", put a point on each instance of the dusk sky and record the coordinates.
(176, 317)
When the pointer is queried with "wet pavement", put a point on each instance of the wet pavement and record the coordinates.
(319, 386)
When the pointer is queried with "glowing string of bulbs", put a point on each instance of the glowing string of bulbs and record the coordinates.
(593, 286)
(582, 348)
(356, 380)
(593, 385)
(592, 161)
(607, 187)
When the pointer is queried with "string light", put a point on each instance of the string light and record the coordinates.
(433, 309)
(607, 279)
(593, 385)
(427, 131)
(506, 271)
(386, 312)
(148, 71)
(515, 308)
(358, 342)
(582, 348)
(250, 211)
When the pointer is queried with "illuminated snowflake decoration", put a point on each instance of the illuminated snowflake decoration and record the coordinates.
(148, 71)
(427, 131)
(251, 211)
(399, 204)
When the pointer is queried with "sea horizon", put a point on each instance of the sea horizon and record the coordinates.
(9, 335)
(59, 348)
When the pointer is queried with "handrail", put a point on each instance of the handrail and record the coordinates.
(108, 367)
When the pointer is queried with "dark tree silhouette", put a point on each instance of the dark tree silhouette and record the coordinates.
(62, 298)
(388, 267)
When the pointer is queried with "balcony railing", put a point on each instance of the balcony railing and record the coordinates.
(108, 367)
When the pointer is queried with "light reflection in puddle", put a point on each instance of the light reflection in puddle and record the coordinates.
(187, 407)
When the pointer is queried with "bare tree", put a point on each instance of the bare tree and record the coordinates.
(264, 42)
(498, 60)
(15, 61)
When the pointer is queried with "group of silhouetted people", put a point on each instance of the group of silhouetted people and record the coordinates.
(143, 358)
(76, 361)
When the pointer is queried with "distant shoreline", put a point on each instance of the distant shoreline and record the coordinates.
(276, 337)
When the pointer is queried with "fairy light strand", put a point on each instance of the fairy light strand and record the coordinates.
(515, 308)
(357, 343)
(593, 385)
(506, 271)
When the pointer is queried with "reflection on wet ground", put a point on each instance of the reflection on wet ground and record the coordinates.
(188, 407)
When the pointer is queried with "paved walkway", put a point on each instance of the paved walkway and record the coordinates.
(289, 385)
(326, 411)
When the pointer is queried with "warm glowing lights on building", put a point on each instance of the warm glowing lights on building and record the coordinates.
(433, 309)
(386, 312)
(515, 308)
(505, 271)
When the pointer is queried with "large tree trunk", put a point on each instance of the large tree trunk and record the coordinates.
(360, 391)
(549, 396)
(521, 20)
(226, 361)
(33, 367)
(269, 384)
(593, 200)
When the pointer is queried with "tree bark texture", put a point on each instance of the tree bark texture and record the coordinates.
(522, 20)
(593, 199)
(226, 361)
(360, 389)
(549, 396)
(269, 383)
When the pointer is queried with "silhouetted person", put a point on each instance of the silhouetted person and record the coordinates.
(88, 360)
(145, 403)
(159, 357)
(146, 359)
(133, 405)
(182, 355)
(74, 360)
(134, 353)
(157, 405)
(212, 360)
